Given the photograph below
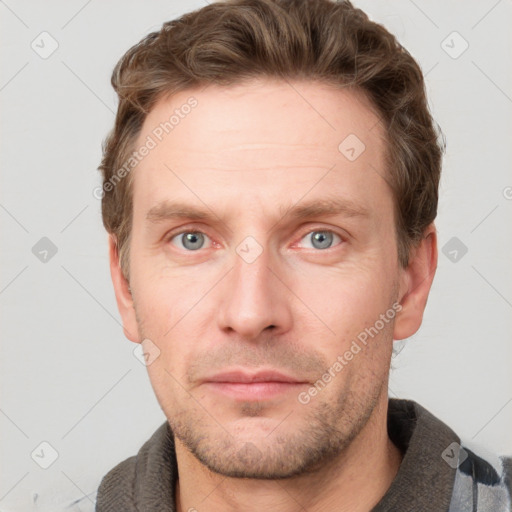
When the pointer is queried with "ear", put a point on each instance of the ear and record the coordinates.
(123, 295)
(415, 283)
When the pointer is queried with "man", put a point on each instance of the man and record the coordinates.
(270, 188)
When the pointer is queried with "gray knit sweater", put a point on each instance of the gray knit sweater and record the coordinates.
(438, 472)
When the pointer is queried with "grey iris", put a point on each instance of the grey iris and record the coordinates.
(324, 239)
(192, 239)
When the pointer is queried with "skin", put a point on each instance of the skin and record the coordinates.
(246, 154)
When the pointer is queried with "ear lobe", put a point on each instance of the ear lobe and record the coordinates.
(123, 294)
(415, 284)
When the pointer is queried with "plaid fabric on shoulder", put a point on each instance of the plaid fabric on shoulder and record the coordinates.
(482, 483)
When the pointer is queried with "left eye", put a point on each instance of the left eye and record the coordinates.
(321, 239)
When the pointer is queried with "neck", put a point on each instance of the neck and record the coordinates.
(355, 481)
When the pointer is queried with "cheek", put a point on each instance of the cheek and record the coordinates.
(163, 300)
(348, 304)
(169, 385)
(348, 298)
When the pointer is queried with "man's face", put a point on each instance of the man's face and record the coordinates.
(252, 287)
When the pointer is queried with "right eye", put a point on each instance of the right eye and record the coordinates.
(188, 240)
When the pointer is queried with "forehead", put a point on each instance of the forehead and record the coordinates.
(261, 139)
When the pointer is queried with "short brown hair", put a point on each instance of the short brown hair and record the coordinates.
(227, 42)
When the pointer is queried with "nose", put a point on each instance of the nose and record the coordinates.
(254, 298)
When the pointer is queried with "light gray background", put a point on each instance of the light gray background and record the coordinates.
(68, 375)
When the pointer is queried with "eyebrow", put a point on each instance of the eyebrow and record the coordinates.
(325, 207)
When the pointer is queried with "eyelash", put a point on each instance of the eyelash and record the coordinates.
(171, 236)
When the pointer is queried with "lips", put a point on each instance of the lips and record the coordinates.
(244, 377)
(261, 385)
